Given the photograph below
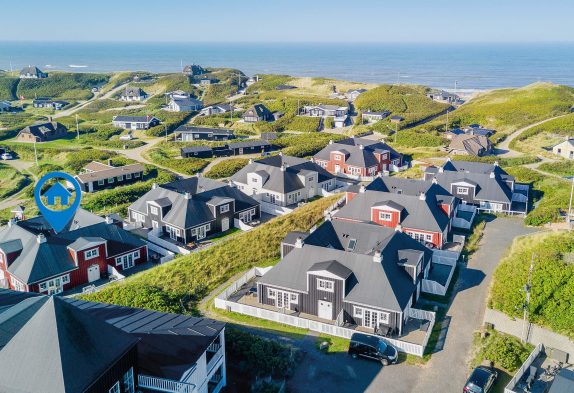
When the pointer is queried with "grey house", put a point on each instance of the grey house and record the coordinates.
(96, 176)
(487, 186)
(352, 274)
(32, 72)
(192, 133)
(135, 122)
(192, 209)
(283, 180)
(257, 112)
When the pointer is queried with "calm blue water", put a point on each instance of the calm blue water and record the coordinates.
(474, 66)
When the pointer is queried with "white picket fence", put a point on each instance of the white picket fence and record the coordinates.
(221, 302)
(441, 257)
(167, 245)
(273, 209)
(241, 225)
(509, 388)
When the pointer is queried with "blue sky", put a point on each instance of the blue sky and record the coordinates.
(289, 20)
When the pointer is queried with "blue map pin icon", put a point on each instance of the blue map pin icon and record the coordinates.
(58, 219)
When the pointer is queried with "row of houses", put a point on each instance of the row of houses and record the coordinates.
(227, 150)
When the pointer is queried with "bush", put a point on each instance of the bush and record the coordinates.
(329, 123)
(504, 350)
(560, 168)
(226, 168)
(8, 88)
(304, 124)
(410, 138)
(305, 145)
(74, 86)
(188, 166)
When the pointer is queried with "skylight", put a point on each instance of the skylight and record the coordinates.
(352, 244)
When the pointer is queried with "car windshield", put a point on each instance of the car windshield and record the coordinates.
(382, 346)
(473, 388)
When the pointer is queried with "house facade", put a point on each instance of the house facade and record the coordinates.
(257, 112)
(49, 103)
(349, 274)
(217, 109)
(358, 157)
(96, 176)
(144, 350)
(32, 72)
(565, 149)
(33, 258)
(192, 209)
(197, 152)
(325, 111)
(135, 122)
(192, 133)
(42, 132)
(131, 94)
(184, 104)
(283, 180)
(373, 117)
(486, 186)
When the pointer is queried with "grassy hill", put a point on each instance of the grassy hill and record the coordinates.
(538, 139)
(506, 110)
(71, 86)
(8, 87)
(552, 294)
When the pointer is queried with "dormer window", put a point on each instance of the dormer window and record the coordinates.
(154, 210)
(462, 190)
(338, 157)
(224, 208)
(385, 216)
(91, 254)
(325, 285)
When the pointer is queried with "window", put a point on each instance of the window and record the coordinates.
(462, 190)
(128, 175)
(428, 237)
(100, 182)
(138, 217)
(129, 381)
(121, 177)
(154, 210)
(91, 254)
(338, 157)
(352, 244)
(17, 285)
(224, 208)
(110, 180)
(43, 286)
(293, 298)
(311, 178)
(66, 279)
(137, 174)
(384, 216)
(115, 388)
(325, 285)
(358, 312)
(271, 293)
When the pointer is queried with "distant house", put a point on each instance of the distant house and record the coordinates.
(358, 158)
(177, 94)
(36, 259)
(373, 117)
(71, 345)
(257, 112)
(131, 94)
(285, 87)
(208, 81)
(217, 109)
(184, 105)
(283, 180)
(191, 209)
(269, 136)
(49, 103)
(477, 129)
(251, 80)
(96, 176)
(325, 110)
(487, 186)
(471, 145)
(352, 94)
(32, 72)
(192, 133)
(249, 147)
(135, 122)
(193, 69)
(565, 148)
(42, 132)
(197, 152)
(5, 106)
(443, 96)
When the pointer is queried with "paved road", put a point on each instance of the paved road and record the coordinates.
(447, 369)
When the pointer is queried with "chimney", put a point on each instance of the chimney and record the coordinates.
(283, 167)
(251, 160)
(492, 175)
(362, 189)
(110, 162)
(299, 242)
(41, 238)
(11, 222)
(230, 184)
(440, 169)
(154, 186)
(422, 196)
(331, 142)
(448, 159)
(378, 257)
(187, 195)
(108, 220)
(361, 147)
(495, 163)
(281, 153)
(398, 228)
(50, 119)
(434, 180)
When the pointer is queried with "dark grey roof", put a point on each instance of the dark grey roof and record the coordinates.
(38, 261)
(417, 214)
(11, 246)
(62, 348)
(356, 156)
(239, 145)
(269, 136)
(409, 257)
(187, 101)
(196, 149)
(412, 187)
(260, 110)
(32, 70)
(82, 243)
(135, 119)
(169, 344)
(563, 382)
(42, 128)
(292, 237)
(333, 267)
(109, 172)
(133, 92)
(203, 130)
(383, 285)
(283, 181)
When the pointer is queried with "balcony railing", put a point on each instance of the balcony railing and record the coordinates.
(213, 361)
(164, 385)
(214, 347)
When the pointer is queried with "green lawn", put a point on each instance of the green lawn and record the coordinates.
(11, 181)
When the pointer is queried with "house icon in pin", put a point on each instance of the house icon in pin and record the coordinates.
(58, 191)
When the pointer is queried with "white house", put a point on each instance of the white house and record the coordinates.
(565, 148)
(184, 105)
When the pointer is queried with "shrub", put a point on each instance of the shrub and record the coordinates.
(8, 88)
(410, 138)
(226, 168)
(75, 86)
(329, 123)
(560, 168)
(304, 124)
(188, 166)
(504, 350)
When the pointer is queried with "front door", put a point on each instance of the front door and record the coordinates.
(272, 198)
(154, 224)
(282, 299)
(93, 273)
(337, 168)
(325, 310)
(370, 319)
(225, 224)
(200, 233)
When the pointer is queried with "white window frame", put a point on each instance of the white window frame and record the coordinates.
(110, 180)
(271, 293)
(101, 182)
(115, 388)
(385, 216)
(462, 190)
(120, 177)
(128, 176)
(137, 174)
(154, 210)
(128, 380)
(224, 208)
(325, 285)
(91, 254)
(357, 312)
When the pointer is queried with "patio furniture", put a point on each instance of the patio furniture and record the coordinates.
(253, 291)
(384, 330)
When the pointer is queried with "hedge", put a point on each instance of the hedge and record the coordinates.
(226, 168)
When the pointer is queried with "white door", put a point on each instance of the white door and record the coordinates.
(93, 273)
(282, 300)
(337, 168)
(225, 224)
(200, 232)
(370, 319)
(154, 225)
(325, 310)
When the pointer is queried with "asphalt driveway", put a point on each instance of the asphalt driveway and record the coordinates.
(447, 369)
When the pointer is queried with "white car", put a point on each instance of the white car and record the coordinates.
(6, 156)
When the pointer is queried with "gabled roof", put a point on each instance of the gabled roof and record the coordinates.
(260, 110)
(187, 101)
(109, 172)
(135, 119)
(60, 349)
(32, 70)
(243, 144)
(332, 267)
(276, 179)
(41, 129)
(133, 92)
(472, 144)
(203, 130)
(357, 156)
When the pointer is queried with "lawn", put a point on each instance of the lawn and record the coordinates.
(539, 140)
(188, 279)
(11, 181)
(552, 291)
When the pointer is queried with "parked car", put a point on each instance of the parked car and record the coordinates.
(6, 156)
(481, 380)
(372, 347)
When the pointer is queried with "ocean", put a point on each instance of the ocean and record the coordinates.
(470, 66)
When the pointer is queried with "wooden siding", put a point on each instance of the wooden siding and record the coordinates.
(116, 373)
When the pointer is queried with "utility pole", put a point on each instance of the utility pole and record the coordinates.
(446, 127)
(569, 219)
(77, 127)
(35, 153)
(527, 289)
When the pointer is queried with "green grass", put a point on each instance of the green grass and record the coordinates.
(560, 168)
(552, 291)
(8, 87)
(336, 344)
(538, 139)
(71, 86)
(226, 168)
(189, 279)
(261, 324)
(11, 181)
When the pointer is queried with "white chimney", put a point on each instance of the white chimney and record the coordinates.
(331, 142)
(154, 186)
(398, 228)
(251, 160)
(361, 147)
(109, 220)
(448, 159)
(11, 222)
(422, 196)
(283, 167)
(378, 257)
(495, 163)
(187, 195)
(492, 175)
(41, 238)
(299, 242)
(362, 189)
(434, 180)
(440, 169)
(280, 153)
